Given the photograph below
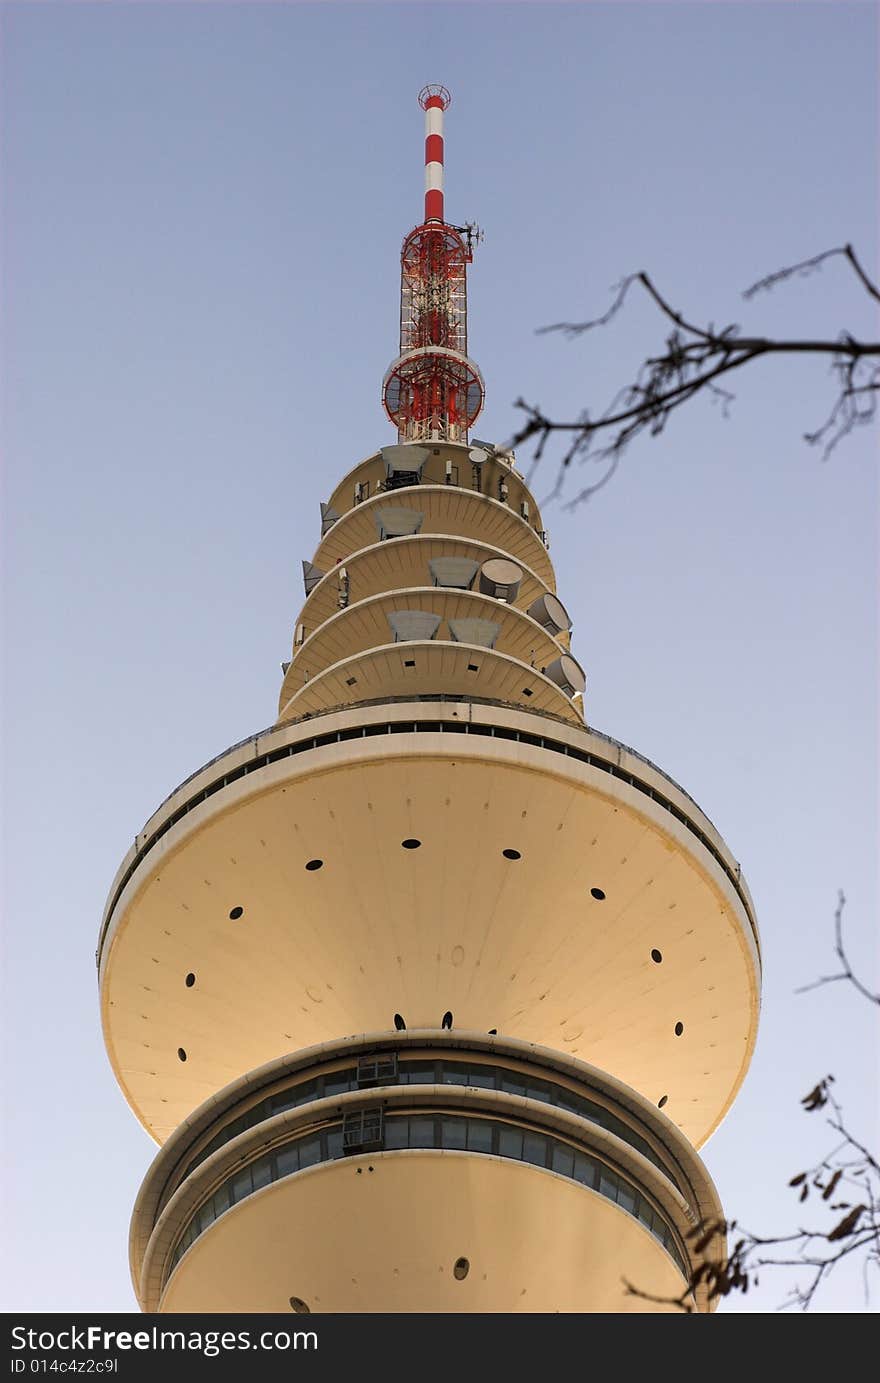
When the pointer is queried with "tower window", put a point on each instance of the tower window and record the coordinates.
(376, 1069)
(236, 913)
(362, 1130)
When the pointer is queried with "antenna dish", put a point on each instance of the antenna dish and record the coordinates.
(478, 455)
(406, 456)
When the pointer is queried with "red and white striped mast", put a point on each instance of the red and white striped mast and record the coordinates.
(434, 101)
(433, 391)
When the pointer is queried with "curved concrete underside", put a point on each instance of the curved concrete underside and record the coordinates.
(521, 945)
(382, 1233)
(421, 668)
(397, 565)
(447, 511)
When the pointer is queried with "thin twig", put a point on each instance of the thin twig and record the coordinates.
(847, 972)
(806, 266)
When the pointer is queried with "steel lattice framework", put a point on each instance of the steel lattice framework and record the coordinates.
(433, 391)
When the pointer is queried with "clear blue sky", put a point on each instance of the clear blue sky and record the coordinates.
(203, 209)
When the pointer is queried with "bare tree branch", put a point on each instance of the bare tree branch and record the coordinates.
(845, 1181)
(692, 361)
(578, 328)
(846, 973)
(807, 266)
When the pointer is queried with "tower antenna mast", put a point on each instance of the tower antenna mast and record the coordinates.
(433, 392)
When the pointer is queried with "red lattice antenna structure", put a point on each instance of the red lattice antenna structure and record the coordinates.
(433, 391)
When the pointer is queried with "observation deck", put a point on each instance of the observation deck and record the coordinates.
(418, 857)
(557, 1185)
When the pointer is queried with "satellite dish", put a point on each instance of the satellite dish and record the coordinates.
(478, 455)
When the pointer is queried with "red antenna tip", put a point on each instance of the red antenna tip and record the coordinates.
(433, 95)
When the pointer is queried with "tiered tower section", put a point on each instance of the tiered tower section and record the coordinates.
(428, 991)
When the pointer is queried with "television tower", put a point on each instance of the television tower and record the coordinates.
(428, 992)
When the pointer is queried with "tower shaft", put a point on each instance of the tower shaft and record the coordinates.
(546, 950)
